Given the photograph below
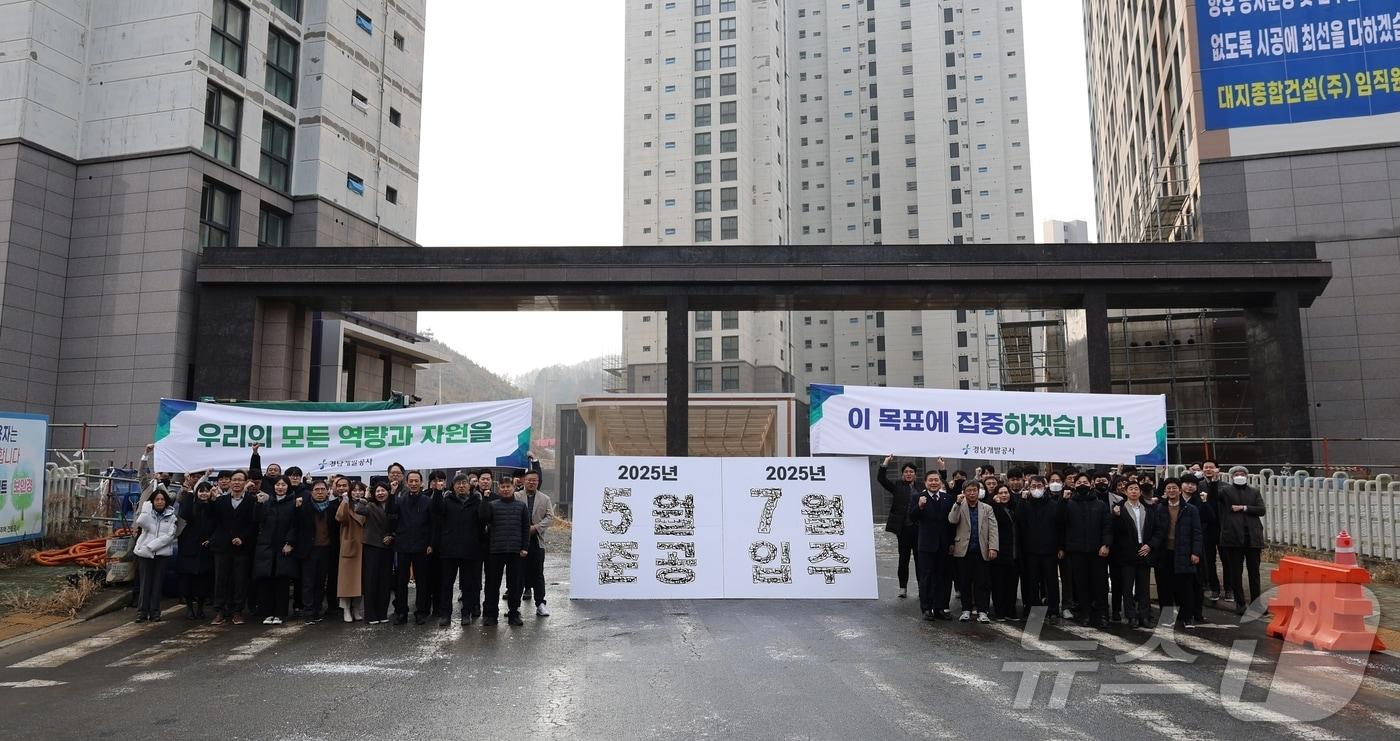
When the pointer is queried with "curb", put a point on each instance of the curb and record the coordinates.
(94, 609)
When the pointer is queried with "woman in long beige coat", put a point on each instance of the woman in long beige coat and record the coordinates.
(347, 583)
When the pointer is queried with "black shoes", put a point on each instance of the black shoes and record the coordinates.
(400, 619)
(930, 615)
(488, 621)
(140, 617)
(514, 619)
(445, 622)
(419, 619)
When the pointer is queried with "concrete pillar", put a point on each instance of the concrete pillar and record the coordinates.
(223, 358)
(677, 377)
(1278, 381)
(1087, 368)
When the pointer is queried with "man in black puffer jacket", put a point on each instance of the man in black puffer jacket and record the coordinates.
(457, 539)
(1039, 520)
(1087, 536)
(507, 522)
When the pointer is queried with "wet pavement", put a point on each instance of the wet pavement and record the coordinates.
(678, 669)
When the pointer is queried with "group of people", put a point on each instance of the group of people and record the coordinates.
(272, 544)
(1085, 545)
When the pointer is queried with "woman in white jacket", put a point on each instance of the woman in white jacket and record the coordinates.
(153, 549)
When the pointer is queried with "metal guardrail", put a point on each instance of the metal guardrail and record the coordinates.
(63, 494)
(1308, 512)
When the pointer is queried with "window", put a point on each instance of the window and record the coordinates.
(391, 194)
(726, 6)
(916, 330)
(281, 79)
(918, 355)
(728, 28)
(704, 379)
(728, 199)
(702, 201)
(729, 378)
(728, 170)
(364, 22)
(217, 205)
(228, 35)
(395, 117)
(702, 172)
(272, 227)
(223, 112)
(729, 140)
(702, 7)
(702, 114)
(702, 230)
(729, 227)
(962, 364)
(704, 349)
(728, 112)
(354, 183)
(702, 59)
(727, 56)
(728, 82)
(704, 321)
(291, 7)
(729, 348)
(702, 32)
(360, 101)
(702, 142)
(398, 41)
(275, 167)
(702, 87)
(729, 320)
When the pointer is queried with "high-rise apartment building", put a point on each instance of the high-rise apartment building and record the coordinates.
(1064, 232)
(891, 121)
(1213, 123)
(133, 135)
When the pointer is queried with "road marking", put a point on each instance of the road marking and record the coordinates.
(168, 648)
(31, 684)
(344, 669)
(1162, 678)
(61, 656)
(257, 645)
(910, 716)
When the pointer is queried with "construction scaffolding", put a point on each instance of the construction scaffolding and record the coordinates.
(1167, 210)
(614, 374)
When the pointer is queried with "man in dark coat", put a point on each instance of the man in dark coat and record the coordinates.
(413, 542)
(507, 522)
(194, 562)
(898, 521)
(1210, 530)
(929, 510)
(235, 530)
(457, 539)
(1181, 553)
(1136, 540)
(1087, 537)
(1241, 510)
(1039, 521)
(316, 531)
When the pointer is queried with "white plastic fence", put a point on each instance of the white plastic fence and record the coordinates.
(63, 487)
(1309, 511)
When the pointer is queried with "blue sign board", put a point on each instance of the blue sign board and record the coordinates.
(1286, 61)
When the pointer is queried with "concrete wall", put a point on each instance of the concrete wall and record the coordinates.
(1349, 202)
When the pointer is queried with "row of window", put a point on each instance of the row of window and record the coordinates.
(728, 30)
(704, 229)
(218, 219)
(704, 348)
(704, 320)
(729, 378)
(728, 200)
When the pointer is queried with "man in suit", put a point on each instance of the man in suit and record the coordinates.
(930, 510)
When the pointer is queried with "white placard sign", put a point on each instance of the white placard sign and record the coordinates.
(691, 528)
(798, 528)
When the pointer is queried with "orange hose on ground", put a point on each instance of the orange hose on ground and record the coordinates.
(92, 553)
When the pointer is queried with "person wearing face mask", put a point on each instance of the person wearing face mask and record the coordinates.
(274, 557)
(934, 565)
(194, 562)
(458, 539)
(1088, 535)
(1061, 489)
(1039, 521)
(897, 521)
(974, 546)
(1004, 566)
(1240, 508)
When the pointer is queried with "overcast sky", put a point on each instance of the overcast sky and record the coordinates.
(522, 146)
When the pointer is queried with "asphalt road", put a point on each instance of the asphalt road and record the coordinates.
(676, 669)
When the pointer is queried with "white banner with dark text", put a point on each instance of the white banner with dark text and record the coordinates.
(695, 528)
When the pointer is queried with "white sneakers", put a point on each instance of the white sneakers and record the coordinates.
(270, 620)
(541, 610)
(982, 618)
(965, 616)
